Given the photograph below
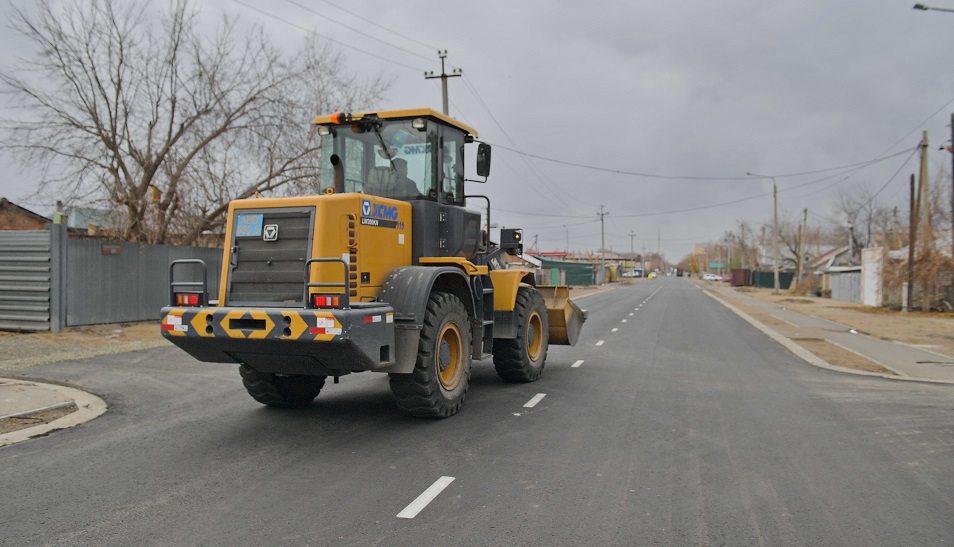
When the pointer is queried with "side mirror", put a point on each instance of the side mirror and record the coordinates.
(483, 159)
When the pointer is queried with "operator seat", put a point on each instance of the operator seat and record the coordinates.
(380, 181)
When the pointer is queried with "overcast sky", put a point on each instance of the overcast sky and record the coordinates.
(673, 102)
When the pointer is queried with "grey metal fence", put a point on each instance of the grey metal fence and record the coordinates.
(109, 282)
(26, 278)
(48, 281)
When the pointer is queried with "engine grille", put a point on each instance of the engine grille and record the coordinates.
(271, 272)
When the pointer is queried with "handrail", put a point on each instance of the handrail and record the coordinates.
(345, 294)
(174, 284)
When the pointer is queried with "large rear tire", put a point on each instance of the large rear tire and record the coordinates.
(521, 359)
(281, 391)
(437, 386)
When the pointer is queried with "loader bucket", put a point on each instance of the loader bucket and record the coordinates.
(565, 317)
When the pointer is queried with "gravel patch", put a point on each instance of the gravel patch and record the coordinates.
(22, 350)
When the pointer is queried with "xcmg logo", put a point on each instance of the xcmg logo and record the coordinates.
(377, 210)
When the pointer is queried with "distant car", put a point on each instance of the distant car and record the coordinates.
(630, 274)
(652, 275)
(712, 277)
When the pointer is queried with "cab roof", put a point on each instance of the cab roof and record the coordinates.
(397, 114)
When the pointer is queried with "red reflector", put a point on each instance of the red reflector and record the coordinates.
(368, 318)
(187, 299)
(324, 301)
(168, 327)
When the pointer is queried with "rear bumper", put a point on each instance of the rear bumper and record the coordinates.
(286, 341)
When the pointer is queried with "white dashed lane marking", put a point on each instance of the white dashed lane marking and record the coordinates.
(577, 364)
(427, 497)
(536, 399)
(600, 343)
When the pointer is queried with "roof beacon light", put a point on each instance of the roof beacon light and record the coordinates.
(340, 118)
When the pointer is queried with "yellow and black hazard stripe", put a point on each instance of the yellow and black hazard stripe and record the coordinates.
(269, 324)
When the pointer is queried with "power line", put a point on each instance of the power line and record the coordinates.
(686, 177)
(382, 27)
(533, 169)
(311, 31)
(359, 31)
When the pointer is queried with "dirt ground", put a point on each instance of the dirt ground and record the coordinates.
(931, 331)
(9, 425)
(22, 350)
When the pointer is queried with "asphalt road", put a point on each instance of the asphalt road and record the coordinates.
(679, 424)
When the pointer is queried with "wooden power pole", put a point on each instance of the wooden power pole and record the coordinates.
(443, 76)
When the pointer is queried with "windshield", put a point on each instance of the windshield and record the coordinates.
(390, 158)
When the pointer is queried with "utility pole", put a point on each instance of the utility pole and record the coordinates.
(602, 246)
(802, 233)
(742, 242)
(443, 76)
(924, 211)
(632, 236)
(951, 148)
(912, 239)
(658, 251)
(775, 202)
(775, 197)
(728, 253)
(924, 196)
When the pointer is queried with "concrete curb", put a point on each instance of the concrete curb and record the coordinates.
(809, 357)
(88, 407)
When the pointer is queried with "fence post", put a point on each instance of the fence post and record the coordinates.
(58, 264)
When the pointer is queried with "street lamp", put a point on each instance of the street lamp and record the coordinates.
(775, 200)
(922, 7)
(567, 250)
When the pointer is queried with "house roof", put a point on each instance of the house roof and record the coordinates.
(825, 259)
(7, 204)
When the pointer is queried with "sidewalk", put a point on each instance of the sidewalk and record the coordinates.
(50, 407)
(842, 345)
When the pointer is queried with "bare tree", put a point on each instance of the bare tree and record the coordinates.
(161, 123)
(867, 223)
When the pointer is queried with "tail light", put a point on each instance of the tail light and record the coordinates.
(325, 301)
(188, 299)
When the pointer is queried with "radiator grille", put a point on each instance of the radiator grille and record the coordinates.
(269, 272)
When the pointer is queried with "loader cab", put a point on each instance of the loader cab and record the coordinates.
(373, 148)
(369, 152)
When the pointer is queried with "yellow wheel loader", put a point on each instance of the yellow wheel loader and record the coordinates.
(385, 270)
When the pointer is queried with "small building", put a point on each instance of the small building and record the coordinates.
(15, 217)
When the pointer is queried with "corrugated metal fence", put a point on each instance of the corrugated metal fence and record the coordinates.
(48, 281)
(125, 282)
(26, 280)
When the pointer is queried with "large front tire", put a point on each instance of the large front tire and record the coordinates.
(281, 391)
(521, 359)
(437, 386)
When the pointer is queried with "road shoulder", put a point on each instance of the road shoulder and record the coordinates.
(886, 371)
